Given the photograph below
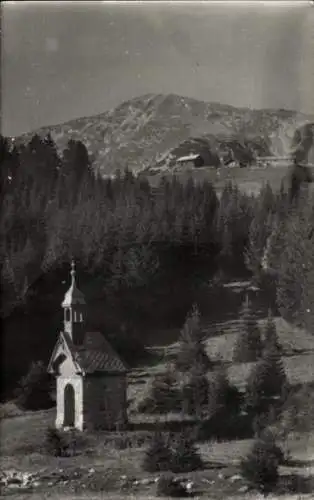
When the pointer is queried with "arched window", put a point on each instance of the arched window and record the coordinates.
(67, 314)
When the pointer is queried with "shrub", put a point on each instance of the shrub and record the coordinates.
(260, 467)
(158, 456)
(55, 443)
(185, 455)
(297, 413)
(33, 392)
(168, 487)
(163, 396)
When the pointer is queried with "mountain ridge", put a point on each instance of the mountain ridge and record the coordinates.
(139, 131)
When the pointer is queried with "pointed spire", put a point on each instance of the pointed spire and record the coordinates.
(73, 295)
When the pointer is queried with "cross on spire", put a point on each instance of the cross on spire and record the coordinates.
(73, 272)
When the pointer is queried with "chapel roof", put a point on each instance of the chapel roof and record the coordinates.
(95, 354)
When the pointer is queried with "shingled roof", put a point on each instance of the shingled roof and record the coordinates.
(95, 354)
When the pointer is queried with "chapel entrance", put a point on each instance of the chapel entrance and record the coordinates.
(69, 406)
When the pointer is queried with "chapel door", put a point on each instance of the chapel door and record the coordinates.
(69, 406)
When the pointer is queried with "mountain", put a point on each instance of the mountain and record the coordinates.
(143, 132)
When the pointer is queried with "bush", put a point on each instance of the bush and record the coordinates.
(260, 467)
(168, 487)
(185, 455)
(297, 413)
(158, 456)
(33, 392)
(163, 396)
(55, 443)
(172, 453)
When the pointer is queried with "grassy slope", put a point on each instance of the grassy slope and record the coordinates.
(249, 180)
(23, 435)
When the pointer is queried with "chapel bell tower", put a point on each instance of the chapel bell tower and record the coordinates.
(74, 307)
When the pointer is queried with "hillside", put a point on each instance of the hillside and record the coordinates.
(141, 133)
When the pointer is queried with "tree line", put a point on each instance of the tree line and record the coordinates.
(133, 242)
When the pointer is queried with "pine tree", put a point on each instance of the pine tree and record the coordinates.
(195, 393)
(267, 383)
(158, 456)
(249, 345)
(296, 265)
(260, 467)
(270, 334)
(163, 394)
(260, 230)
(191, 345)
(225, 397)
(185, 456)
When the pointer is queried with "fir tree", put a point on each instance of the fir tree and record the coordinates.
(195, 393)
(191, 345)
(158, 456)
(249, 345)
(185, 456)
(163, 394)
(260, 467)
(270, 334)
(224, 397)
(267, 383)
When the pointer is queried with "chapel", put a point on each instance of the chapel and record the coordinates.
(91, 379)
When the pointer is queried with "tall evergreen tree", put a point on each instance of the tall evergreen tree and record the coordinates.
(191, 352)
(267, 384)
(249, 345)
(270, 334)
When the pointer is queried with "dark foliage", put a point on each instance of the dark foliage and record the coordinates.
(222, 414)
(34, 390)
(172, 452)
(191, 351)
(158, 456)
(249, 345)
(271, 341)
(164, 395)
(260, 467)
(185, 457)
(55, 444)
(267, 384)
(168, 487)
(144, 250)
(195, 393)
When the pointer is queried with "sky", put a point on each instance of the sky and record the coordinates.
(64, 60)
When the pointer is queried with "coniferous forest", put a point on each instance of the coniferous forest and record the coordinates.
(142, 253)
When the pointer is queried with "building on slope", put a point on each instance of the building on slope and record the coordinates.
(90, 377)
(190, 161)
